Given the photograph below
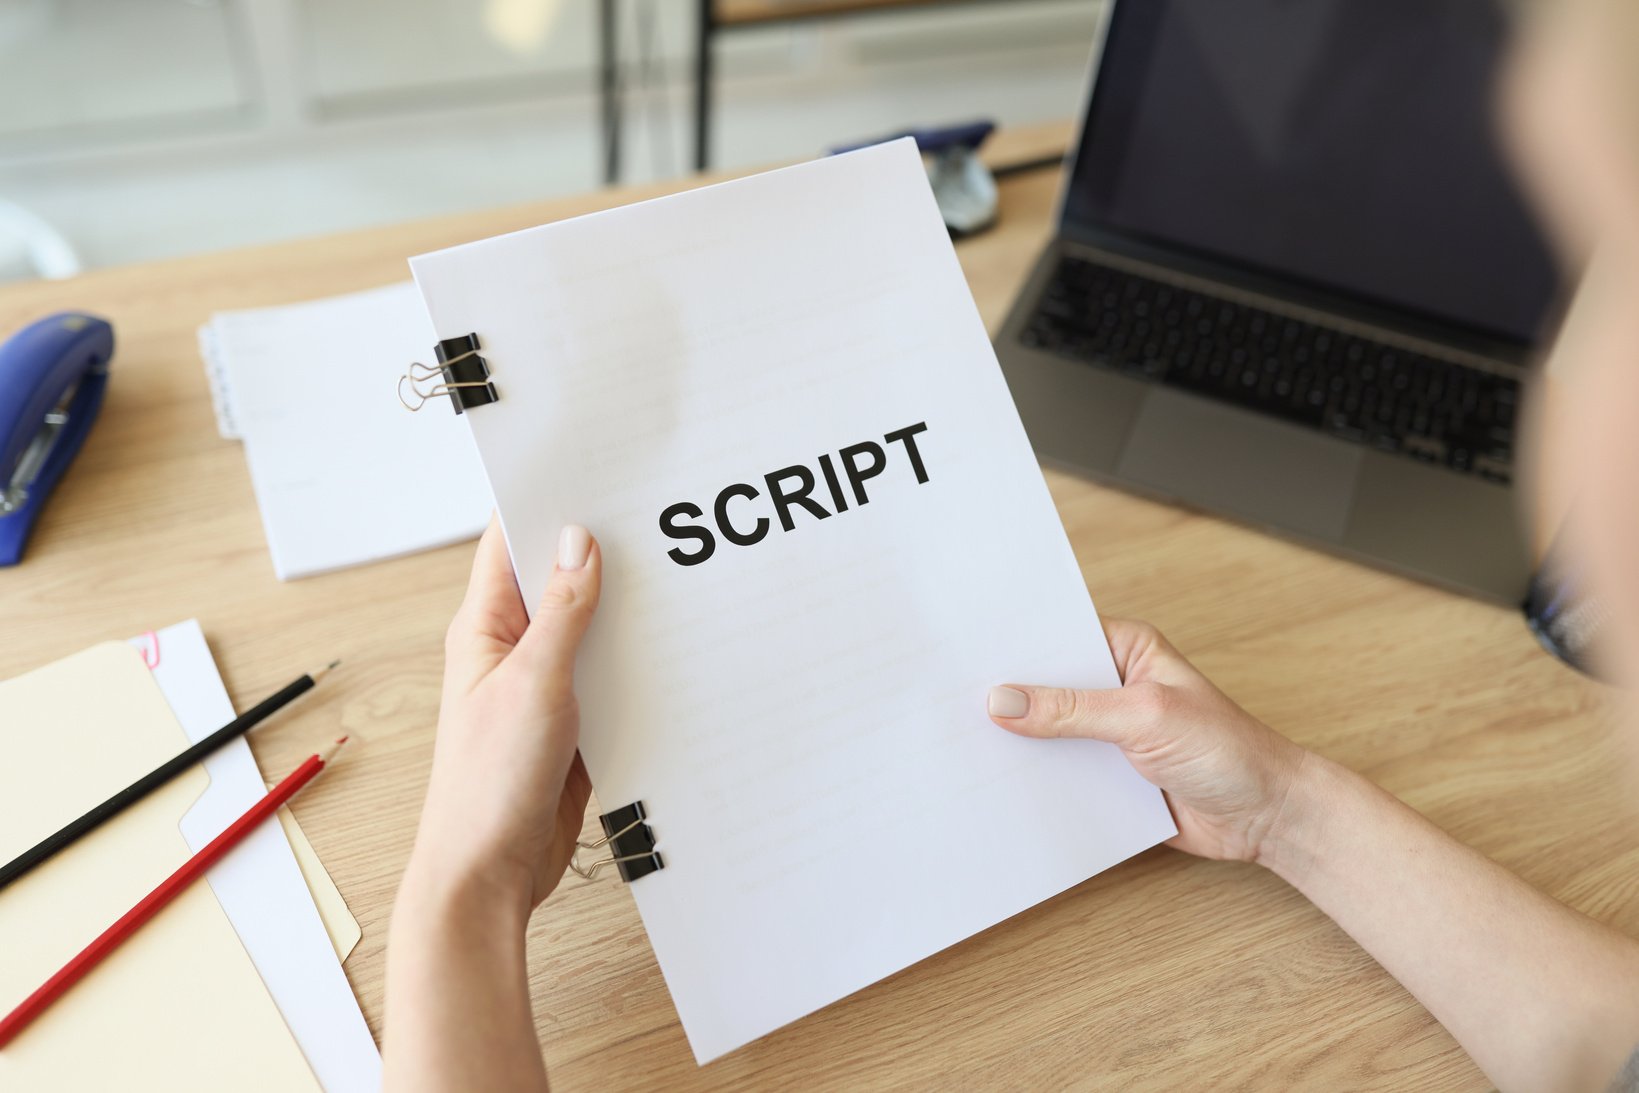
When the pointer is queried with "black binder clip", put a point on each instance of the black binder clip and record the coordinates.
(630, 842)
(461, 374)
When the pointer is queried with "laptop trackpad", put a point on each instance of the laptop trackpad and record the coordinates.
(1266, 471)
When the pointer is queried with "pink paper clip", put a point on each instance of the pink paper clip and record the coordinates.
(150, 650)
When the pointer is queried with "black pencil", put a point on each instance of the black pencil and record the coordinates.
(151, 781)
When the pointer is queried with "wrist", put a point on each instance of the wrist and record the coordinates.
(1296, 840)
(440, 889)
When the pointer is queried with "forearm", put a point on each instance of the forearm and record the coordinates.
(458, 1010)
(1540, 996)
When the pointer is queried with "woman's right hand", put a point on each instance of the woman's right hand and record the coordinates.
(1225, 773)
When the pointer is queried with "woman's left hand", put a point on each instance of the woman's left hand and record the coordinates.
(508, 790)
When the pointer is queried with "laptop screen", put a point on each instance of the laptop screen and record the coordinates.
(1351, 145)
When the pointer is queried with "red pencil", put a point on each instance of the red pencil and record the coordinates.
(173, 886)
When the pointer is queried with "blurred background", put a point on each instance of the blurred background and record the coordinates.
(140, 129)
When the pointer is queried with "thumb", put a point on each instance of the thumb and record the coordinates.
(566, 607)
(1124, 716)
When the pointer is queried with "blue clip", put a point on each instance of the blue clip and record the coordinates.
(52, 377)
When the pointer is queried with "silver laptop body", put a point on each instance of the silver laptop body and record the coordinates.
(1306, 195)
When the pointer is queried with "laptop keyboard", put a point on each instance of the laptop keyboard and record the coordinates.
(1349, 387)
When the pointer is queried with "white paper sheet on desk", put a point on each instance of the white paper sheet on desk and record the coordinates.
(804, 717)
(259, 884)
(342, 475)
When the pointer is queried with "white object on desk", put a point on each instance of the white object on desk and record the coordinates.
(803, 717)
(342, 476)
(259, 884)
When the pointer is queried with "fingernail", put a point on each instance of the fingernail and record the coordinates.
(574, 546)
(1008, 702)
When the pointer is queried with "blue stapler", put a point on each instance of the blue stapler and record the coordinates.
(52, 377)
(962, 184)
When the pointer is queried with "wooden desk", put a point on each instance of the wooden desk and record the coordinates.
(1165, 972)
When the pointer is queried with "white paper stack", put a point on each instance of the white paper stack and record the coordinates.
(343, 473)
(825, 537)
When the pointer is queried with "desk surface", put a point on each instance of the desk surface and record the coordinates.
(1165, 971)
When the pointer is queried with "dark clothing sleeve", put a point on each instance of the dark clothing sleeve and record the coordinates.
(1628, 1080)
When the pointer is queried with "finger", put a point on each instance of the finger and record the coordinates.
(1132, 643)
(1125, 716)
(491, 618)
(572, 799)
(579, 782)
(492, 603)
(577, 788)
(566, 607)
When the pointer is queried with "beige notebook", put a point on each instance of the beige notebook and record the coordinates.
(180, 1005)
(339, 922)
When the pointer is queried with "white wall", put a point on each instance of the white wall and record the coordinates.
(145, 128)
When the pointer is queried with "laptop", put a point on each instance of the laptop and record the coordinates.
(1293, 282)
